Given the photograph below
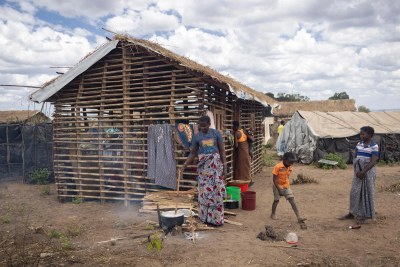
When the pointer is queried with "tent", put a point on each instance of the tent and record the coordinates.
(310, 135)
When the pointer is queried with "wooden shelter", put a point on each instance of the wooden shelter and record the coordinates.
(287, 109)
(129, 84)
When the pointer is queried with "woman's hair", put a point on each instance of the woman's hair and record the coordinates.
(368, 129)
(205, 119)
(235, 124)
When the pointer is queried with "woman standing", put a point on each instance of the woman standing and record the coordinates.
(362, 194)
(242, 154)
(208, 145)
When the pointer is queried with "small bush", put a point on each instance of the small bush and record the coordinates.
(45, 191)
(269, 159)
(77, 200)
(40, 176)
(334, 157)
(5, 219)
(268, 145)
(55, 234)
(155, 242)
(75, 230)
(66, 243)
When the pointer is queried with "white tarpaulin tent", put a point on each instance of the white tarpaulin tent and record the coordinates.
(312, 134)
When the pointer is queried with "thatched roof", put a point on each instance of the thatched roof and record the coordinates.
(242, 91)
(287, 109)
(15, 116)
(238, 88)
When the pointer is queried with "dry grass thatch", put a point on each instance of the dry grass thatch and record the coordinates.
(200, 69)
(287, 109)
(304, 179)
(16, 116)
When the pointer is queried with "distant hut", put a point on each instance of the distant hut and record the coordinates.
(106, 104)
(287, 109)
(23, 116)
(25, 143)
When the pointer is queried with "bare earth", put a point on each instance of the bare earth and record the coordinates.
(326, 242)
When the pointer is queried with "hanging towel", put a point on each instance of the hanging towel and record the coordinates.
(161, 164)
(211, 115)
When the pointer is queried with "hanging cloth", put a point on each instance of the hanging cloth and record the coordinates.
(161, 165)
(211, 115)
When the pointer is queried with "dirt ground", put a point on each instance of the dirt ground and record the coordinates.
(29, 218)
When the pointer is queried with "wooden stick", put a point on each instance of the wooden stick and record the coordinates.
(232, 222)
(111, 240)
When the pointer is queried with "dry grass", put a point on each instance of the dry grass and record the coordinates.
(304, 179)
(394, 188)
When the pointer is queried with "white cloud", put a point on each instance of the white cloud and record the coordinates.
(142, 23)
(314, 47)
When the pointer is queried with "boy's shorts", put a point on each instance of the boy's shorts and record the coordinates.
(287, 193)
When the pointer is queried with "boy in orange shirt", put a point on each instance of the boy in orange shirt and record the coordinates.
(281, 187)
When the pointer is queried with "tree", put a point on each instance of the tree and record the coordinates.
(341, 95)
(291, 97)
(363, 109)
(270, 95)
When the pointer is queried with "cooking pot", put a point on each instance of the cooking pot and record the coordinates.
(170, 219)
(231, 204)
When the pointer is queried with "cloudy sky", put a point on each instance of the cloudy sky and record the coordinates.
(311, 47)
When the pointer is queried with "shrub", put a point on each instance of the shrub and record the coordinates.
(77, 200)
(40, 176)
(155, 242)
(334, 157)
(45, 190)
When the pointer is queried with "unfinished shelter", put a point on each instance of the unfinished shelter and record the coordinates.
(125, 115)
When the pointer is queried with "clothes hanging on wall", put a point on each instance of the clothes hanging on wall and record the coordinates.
(211, 115)
(185, 134)
(161, 164)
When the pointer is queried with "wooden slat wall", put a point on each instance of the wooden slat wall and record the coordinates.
(129, 89)
(250, 112)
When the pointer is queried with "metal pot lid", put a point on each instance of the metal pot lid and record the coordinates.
(172, 214)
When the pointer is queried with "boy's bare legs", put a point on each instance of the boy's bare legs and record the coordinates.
(294, 207)
(274, 205)
(296, 211)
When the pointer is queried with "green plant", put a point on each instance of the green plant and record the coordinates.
(55, 234)
(333, 157)
(39, 176)
(5, 219)
(45, 190)
(268, 145)
(75, 230)
(268, 159)
(77, 200)
(66, 242)
(155, 242)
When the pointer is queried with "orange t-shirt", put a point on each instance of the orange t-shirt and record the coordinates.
(283, 174)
